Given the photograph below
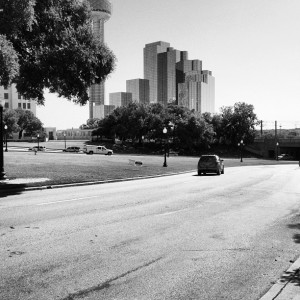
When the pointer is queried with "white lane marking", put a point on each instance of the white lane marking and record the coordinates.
(68, 200)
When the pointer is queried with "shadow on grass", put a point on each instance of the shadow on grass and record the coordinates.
(11, 189)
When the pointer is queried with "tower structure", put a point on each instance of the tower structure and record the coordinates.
(166, 75)
(139, 88)
(101, 12)
(150, 66)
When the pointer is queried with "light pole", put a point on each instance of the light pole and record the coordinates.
(241, 144)
(5, 127)
(65, 141)
(277, 145)
(2, 173)
(165, 161)
(38, 138)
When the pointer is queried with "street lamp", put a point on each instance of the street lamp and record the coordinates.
(38, 138)
(2, 173)
(241, 144)
(5, 127)
(277, 145)
(165, 161)
(65, 140)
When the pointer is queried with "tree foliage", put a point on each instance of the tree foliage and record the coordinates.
(18, 120)
(55, 46)
(187, 130)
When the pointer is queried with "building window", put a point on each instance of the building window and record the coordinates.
(5, 95)
(24, 105)
(5, 87)
(19, 105)
(28, 105)
(19, 96)
(6, 105)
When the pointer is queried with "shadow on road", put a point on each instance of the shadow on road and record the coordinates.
(11, 189)
(296, 236)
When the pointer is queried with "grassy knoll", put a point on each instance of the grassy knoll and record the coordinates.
(60, 168)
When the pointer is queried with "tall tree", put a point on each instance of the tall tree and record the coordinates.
(28, 122)
(55, 46)
(239, 123)
(10, 119)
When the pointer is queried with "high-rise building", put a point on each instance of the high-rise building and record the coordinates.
(195, 87)
(120, 99)
(166, 75)
(13, 100)
(101, 12)
(139, 88)
(150, 66)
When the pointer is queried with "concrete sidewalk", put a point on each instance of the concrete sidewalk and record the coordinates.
(288, 287)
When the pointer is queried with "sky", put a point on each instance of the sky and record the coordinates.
(252, 48)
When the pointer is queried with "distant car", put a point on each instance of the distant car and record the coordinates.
(285, 157)
(210, 164)
(37, 148)
(72, 149)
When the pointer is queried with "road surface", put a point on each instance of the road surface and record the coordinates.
(176, 237)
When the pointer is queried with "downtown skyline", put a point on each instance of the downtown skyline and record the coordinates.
(251, 48)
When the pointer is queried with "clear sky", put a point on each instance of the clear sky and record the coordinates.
(252, 48)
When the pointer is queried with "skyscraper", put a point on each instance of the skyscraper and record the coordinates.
(139, 88)
(101, 12)
(150, 65)
(195, 87)
(166, 75)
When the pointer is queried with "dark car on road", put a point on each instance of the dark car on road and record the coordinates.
(72, 149)
(210, 164)
(37, 148)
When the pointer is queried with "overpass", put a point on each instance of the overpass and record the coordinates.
(267, 147)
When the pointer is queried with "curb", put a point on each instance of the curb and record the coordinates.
(284, 289)
(56, 186)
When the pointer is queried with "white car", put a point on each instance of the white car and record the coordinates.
(94, 149)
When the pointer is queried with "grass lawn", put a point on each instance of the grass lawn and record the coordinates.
(60, 168)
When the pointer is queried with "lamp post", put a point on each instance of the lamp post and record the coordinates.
(277, 145)
(2, 173)
(165, 160)
(65, 140)
(5, 127)
(241, 144)
(38, 138)
(172, 127)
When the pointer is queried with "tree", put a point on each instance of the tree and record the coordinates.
(238, 122)
(55, 46)
(28, 122)
(9, 65)
(10, 119)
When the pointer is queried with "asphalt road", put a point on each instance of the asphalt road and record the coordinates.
(177, 237)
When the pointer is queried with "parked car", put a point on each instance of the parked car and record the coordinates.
(37, 148)
(285, 157)
(91, 149)
(210, 164)
(72, 149)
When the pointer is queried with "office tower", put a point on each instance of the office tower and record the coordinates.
(195, 87)
(150, 65)
(120, 99)
(166, 75)
(139, 88)
(108, 109)
(13, 100)
(101, 12)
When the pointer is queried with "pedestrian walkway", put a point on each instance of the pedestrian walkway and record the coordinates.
(288, 287)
